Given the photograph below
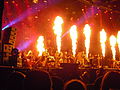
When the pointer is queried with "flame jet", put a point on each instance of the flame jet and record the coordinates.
(73, 35)
(102, 41)
(112, 44)
(87, 32)
(40, 45)
(58, 31)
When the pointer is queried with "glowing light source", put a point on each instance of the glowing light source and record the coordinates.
(118, 40)
(112, 44)
(87, 32)
(58, 31)
(73, 34)
(29, 12)
(6, 2)
(102, 41)
(40, 45)
(13, 1)
(29, 52)
(35, 1)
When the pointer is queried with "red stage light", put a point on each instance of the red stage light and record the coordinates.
(16, 4)
(6, 2)
(13, 1)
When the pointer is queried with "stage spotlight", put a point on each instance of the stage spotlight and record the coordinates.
(29, 12)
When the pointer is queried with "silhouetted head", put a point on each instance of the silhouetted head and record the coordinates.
(100, 72)
(57, 83)
(37, 80)
(97, 83)
(15, 51)
(15, 81)
(111, 80)
(74, 85)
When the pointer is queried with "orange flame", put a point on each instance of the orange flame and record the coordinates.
(35, 1)
(29, 52)
(118, 40)
(40, 45)
(87, 32)
(58, 31)
(73, 34)
(102, 41)
(113, 43)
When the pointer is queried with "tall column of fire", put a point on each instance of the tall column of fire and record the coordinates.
(87, 33)
(102, 41)
(73, 35)
(118, 40)
(112, 44)
(40, 45)
(58, 31)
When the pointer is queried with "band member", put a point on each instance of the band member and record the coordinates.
(80, 58)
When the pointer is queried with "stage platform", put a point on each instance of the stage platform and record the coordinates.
(79, 69)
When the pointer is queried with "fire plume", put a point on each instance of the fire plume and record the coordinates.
(73, 34)
(87, 32)
(40, 45)
(102, 41)
(58, 31)
(118, 40)
(112, 44)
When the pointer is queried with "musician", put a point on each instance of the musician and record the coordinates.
(80, 58)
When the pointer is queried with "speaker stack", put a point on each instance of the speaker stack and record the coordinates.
(9, 37)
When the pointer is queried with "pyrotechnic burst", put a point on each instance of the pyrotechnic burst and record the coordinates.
(102, 41)
(40, 45)
(113, 43)
(58, 31)
(73, 34)
(87, 32)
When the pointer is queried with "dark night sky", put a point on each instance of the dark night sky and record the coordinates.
(105, 15)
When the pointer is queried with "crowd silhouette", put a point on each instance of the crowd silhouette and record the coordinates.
(29, 79)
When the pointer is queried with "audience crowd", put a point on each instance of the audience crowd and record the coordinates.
(24, 73)
(89, 79)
